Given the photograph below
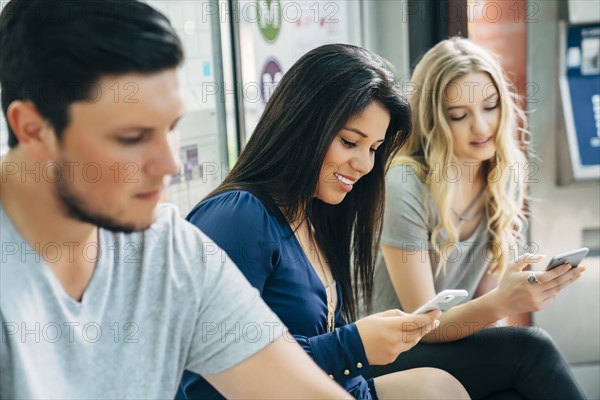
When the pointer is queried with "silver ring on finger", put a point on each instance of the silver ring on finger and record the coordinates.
(531, 278)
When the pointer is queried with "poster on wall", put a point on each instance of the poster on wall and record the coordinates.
(276, 33)
(580, 93)
(202, 160)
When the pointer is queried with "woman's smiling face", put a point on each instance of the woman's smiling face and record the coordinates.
(351, 155)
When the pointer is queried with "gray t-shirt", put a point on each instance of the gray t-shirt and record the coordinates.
(409, 219)
(160, 301)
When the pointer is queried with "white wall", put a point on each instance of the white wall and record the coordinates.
(385, 32)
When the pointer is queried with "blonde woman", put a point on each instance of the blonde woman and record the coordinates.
(453, 220)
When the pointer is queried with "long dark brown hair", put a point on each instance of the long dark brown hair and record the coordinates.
(283, 158)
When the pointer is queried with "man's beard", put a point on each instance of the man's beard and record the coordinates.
(77, 209)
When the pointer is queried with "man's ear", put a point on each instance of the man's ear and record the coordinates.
(34, 133)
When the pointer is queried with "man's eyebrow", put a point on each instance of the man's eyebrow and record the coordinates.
(141, 128)
(358, 131)
(131, 128)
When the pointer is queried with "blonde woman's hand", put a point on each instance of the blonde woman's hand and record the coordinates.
(387, 334)
(518, 295)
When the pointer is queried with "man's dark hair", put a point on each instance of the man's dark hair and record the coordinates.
(53, 52)
(281, 163)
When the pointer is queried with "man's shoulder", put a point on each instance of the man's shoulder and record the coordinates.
(170, 225)
(166, 213)
(171, 230)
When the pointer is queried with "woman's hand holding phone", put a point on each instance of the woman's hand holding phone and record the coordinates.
(443, 301)
(528, 291)
(387, 334)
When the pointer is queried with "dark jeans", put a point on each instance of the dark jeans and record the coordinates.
(497, 363)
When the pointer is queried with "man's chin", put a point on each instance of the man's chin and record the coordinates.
(125, 226)
(127, 229)
(122, 220)
(110, 223)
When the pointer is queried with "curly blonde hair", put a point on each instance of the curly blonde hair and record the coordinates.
(431, 146)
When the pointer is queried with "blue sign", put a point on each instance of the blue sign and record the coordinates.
(581, 97)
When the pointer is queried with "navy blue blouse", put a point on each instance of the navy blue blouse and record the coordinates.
(261, 243)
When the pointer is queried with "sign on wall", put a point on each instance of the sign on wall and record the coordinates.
(276, 33)
(580, 93)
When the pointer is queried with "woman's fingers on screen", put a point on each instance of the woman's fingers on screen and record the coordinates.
(525, 260)
(435, 314)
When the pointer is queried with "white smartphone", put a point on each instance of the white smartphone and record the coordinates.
(572, 257)
(444, 300)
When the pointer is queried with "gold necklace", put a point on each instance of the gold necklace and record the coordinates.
(329, 295)
(328, 285)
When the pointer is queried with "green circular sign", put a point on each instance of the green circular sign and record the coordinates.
(270, 18)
